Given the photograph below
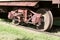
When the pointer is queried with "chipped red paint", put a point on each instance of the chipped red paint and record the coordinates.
(18, 3)
(35, 18)
(11, 14)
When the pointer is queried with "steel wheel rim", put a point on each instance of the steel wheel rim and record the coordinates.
(48, 19)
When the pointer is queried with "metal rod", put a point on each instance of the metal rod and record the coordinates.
(58, 3)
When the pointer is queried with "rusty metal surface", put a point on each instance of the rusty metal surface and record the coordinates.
(25, 0)
(18, 3)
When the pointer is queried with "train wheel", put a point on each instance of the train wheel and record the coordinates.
(15, 21)
(48, 20)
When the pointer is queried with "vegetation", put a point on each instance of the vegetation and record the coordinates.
(11, 32)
